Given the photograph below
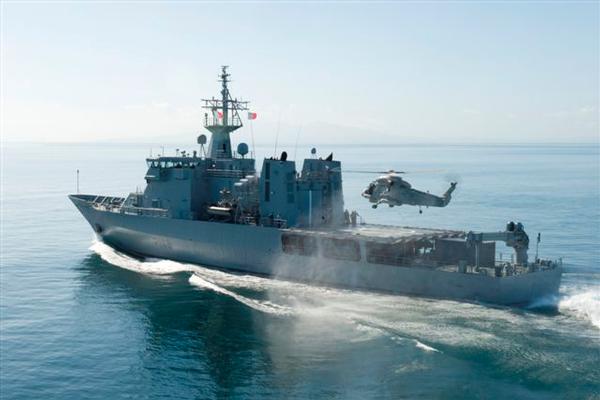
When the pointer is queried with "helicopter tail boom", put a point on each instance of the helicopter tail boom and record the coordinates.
(448, 195)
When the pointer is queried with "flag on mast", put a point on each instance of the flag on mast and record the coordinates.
(252, 115)
(219, 114)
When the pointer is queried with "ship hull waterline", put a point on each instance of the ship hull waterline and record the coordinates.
(257, 250)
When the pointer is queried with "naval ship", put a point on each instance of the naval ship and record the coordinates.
(214, 209)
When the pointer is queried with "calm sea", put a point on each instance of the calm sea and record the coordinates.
(81, 321)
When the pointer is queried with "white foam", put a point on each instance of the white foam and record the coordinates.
(263, 306)
(584, 305)
(154, 267)
(426, 348)
(370, 332)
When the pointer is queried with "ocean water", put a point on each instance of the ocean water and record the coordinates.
(79, 320)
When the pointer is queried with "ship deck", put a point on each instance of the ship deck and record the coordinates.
(382, 233)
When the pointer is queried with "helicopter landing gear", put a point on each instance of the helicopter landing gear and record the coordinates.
(391, 205)
(374, 206)
(420, 211)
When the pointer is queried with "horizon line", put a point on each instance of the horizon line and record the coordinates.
(266, 144)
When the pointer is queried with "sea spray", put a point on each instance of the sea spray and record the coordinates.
(585, 305)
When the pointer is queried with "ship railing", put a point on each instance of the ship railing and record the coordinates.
(107, 203)
(548, 264)
(238, 155)
(247, 220)
(512, 268)
(401, 261)
(499, 269)
(232, 120)
(148, 212)
(505, 268)
(274, 222)
(225, 173)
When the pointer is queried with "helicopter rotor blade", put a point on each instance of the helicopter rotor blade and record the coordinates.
(373, 172)
(421, 171)
(392, 172)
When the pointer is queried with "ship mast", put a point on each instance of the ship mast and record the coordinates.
(223, 119)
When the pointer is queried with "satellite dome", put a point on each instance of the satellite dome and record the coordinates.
(202, 139)
(313, 151)
(242, 149)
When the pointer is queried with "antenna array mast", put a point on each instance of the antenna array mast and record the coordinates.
(224, 118)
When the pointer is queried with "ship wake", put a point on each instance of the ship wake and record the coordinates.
(330, 316)
(263, 306)
(203, 278)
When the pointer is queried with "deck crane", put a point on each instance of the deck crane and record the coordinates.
(514, 236)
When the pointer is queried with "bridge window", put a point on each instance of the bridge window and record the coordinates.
(341, 249)
(298, 244)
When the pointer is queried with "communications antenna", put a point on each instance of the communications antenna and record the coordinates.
(223, 118)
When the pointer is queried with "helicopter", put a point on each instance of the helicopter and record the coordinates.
(392, 190)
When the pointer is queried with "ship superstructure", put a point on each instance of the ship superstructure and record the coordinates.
(216, 210)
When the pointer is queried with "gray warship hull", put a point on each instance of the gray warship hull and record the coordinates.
(258, 250)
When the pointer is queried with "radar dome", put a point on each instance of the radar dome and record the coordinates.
(202, 139)
(242, 149)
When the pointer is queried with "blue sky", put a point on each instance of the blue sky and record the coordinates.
(358, 72)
